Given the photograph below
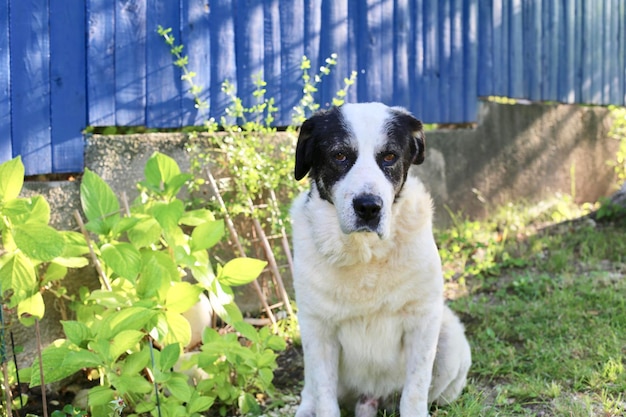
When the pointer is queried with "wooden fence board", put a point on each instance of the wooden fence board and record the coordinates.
(68, 69)
(6, 147)
(30, 84)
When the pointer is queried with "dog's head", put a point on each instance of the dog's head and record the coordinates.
(358, 158)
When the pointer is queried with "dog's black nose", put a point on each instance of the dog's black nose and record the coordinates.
(367, 206)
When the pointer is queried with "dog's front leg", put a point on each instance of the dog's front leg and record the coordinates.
(321, 364)
(420, 344)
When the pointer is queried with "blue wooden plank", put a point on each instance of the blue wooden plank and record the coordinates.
(621, 51)
(334, 41)
(271, 43)
(610, 82)
(30, 84)
(567, 68)
(402, 36)
(101, 63)
(385, 50)
(68, 101)
(579, 51)
(516, 57)
(6, 148)
(455, 96)
(444, 64)
(292, 50)
(373, 57)
(416, 60)
(249, 48)
(223, 64)
(361, 25)
(164, 88)
(196, 37)
(312, 16)
(550, 52)
(532, 49)
(485, 48)
(431, 98)
(130, 62)
(501, 39)
(352, 59)
(470, 63)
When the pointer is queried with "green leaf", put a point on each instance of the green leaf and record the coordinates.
(11, 178)
(82, 359)
(247, 330)
(123, 258)
(197, 217)
(157, 272)
(137, 361)
(199, 404)
(101, 395)
(131, 318)
(31, 309)
(178, 329)
(123, 341)
(169, 356)
(99, 203)
(75, 244)
(181, 297)
(131, 384)
(39, 241)
(174, 185)
(201, 269)
(27, 210)
(54, 272)
(145, 233)
(70, 263)
(160, 169)
(76, 332)
(178, 386)
(240, 271)
(206, 235)
(168, 214)
(247, 404)
(52, 357)
(18, 275)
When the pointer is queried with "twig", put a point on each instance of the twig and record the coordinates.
(44, 400)
(283, 232)
(156, 388)
(270, 258)
(103, 278)
(235, 237)
(17, 374)
(5, 371)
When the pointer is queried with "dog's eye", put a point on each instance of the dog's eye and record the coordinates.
(340, 157)
(390, 159)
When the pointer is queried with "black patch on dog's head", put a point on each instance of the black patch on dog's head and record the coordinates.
(402, 125)
(323, 141)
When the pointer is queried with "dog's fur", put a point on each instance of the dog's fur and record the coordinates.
(368, 277)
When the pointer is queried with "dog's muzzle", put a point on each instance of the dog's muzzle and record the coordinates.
(368, 209)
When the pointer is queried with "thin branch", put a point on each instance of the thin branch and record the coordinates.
(104, 280)
(44, 400)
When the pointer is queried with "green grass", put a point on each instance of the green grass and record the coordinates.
(544, 306)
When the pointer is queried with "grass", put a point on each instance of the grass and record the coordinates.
(544, 304)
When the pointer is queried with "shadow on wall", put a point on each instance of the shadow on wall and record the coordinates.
(520, 153)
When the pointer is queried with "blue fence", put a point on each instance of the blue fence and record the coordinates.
(65, 65)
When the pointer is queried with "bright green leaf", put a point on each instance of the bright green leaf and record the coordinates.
(157, 272)
(39, 241)
(27, 210)
(199, 404)
(181, 297)
(178, 329)
(160, 169)
(123, 341)
(99, 202)
(240, 271)
(169, 356)
(178, 386)
(54, 272)
(76, 332)
(207, 235)
(31, 309)
(11, 178)
(101, 395)
(197, 217)
(18, 275)
(247, 330)
(145, 232)
(52, 357)
(123, 258)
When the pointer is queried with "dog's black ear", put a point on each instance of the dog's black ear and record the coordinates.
(420, 143)
(304, 149)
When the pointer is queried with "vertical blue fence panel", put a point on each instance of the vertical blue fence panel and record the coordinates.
(402, 39)
(292, 51)
(223, 61)
(271, 46)
(30, 84)
(197, 40)
(101, 59)
(68, 69)
(130, 62)
(470, 57)
(6, 148)
(164, 89)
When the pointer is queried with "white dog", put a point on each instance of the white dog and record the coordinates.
(368, 277)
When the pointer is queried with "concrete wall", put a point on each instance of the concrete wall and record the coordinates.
(515, 153)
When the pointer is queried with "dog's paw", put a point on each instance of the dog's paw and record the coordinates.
(366, 407)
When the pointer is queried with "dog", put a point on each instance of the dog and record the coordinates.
(367, 274)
